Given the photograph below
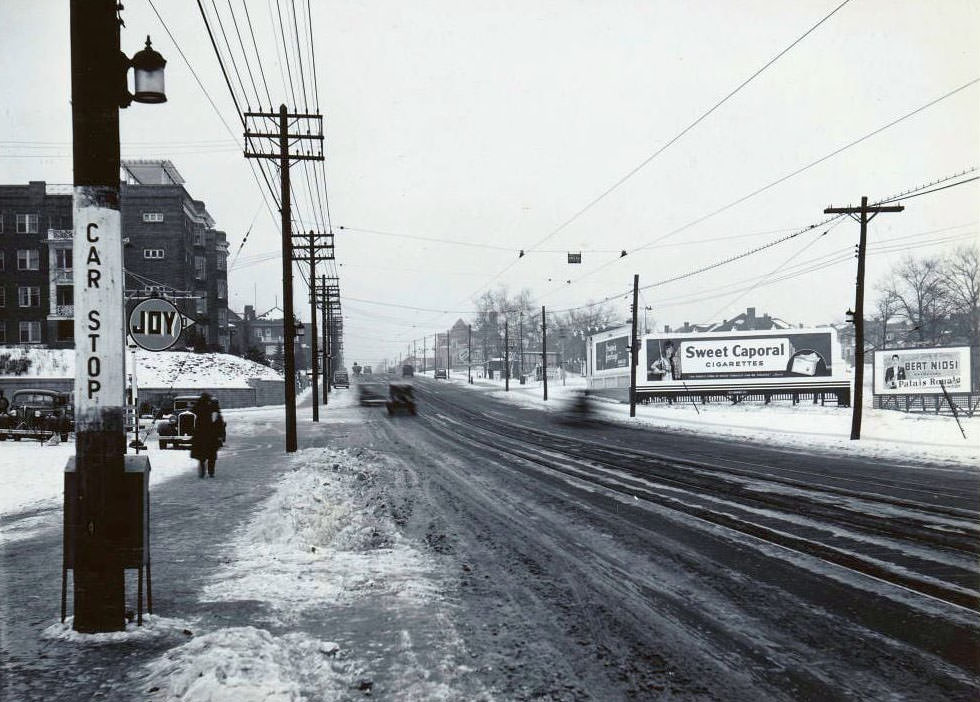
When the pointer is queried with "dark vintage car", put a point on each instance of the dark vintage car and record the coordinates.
(441, 373)
(177, 430)
(401, 397)
(341, 379)
(37, 414)
(408, 370)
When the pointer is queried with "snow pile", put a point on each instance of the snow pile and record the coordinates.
(43, 363)
(244, 663)
(318, 541)
(185, 369)
(154, 627)
(164, 369)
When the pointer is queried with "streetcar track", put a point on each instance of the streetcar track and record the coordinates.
(502, 441)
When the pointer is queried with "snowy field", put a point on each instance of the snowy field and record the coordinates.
(884, 433)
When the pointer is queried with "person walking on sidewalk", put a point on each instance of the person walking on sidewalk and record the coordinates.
(209, 433)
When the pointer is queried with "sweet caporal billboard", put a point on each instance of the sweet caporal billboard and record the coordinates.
(922, 371)
(784, 353)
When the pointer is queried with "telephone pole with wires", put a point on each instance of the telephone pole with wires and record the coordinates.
(312, 248)
(860, 215)
(293, 128)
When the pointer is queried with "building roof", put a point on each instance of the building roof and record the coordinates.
(150, 172)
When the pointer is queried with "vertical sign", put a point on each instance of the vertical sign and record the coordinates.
(99, 309)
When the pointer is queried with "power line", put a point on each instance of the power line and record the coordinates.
(636, 169)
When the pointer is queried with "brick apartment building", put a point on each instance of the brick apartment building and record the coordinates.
(170, 249)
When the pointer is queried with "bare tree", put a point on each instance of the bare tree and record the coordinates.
(919, 288)
(962, 273)
(886, 309)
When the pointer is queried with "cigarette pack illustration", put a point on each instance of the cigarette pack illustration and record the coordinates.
(806, 364)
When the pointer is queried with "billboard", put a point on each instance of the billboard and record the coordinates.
(612, 353)
(922, 371)
(800, 354)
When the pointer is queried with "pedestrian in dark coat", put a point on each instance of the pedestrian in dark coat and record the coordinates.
(208, 434)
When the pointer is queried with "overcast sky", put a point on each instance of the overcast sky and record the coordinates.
(497, 123)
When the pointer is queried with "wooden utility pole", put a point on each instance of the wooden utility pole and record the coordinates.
(323, 346)
(506, 357)
(469, 353)
(284, 158)
(544, 351)
(311, 248)
(100, 328)
(860, 214)
(634, 347)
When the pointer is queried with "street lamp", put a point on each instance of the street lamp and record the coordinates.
(148, 75)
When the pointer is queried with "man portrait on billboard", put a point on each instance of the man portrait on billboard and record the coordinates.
(894, 373)
(665, 367)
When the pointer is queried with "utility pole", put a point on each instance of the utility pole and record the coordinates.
(469, 353)
(506, 358)
(323, 346)
(424, 353)
(449, 360)
(544, 351)
(520, 342)
(313, 247)
(634, 346)
(862, 217)
(284, 158)
(100, 444)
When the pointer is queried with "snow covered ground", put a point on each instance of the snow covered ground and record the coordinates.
(885, 433)
(163, 369)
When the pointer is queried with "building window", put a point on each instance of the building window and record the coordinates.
(221, 262)
(29, 296)
(65, 295)
(200, 265)
(153, 253)
(202, 303)
(28, 259)
(61, 221)
(198, 236)
(3, 296)
(30, 332)
(153, 216)
(2, 262)
(62, 258)
(27, 223)
(3, 332)
(222, 289)
(66, 330)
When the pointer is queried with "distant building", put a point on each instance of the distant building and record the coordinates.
(266, 333)
(170, 249)
(747, 321)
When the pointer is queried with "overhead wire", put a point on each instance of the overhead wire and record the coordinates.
(636, 169)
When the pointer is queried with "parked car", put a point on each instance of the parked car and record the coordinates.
(408, 370)
(341, 379)
(37, 414)
(400, 397)
(177, 430)
(441, 373)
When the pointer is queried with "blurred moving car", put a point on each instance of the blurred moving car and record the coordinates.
(408, 370)
(370, 394)
(579, 409)
(177, 430)
(401, 396)
(341, 379)
(37, 414)
(441, 373)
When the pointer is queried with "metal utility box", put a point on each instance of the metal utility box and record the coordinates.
(131, 531)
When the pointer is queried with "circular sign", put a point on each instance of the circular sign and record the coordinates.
(156, 324)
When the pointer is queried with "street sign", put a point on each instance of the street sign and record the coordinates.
(156, 324)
